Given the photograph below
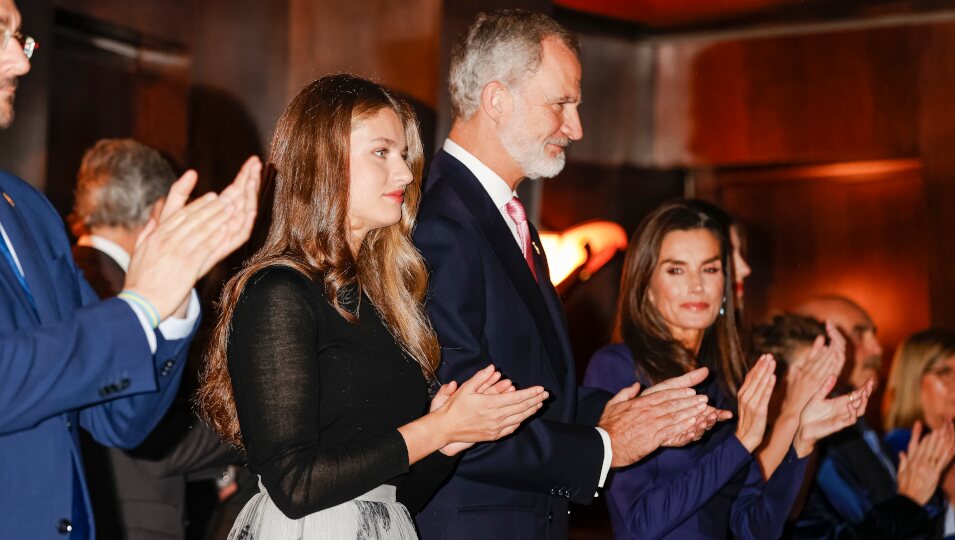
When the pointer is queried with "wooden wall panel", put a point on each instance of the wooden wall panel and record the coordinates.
(171, 20)
(799, 98)
(394, 41)
(937, 137)
(861, 236)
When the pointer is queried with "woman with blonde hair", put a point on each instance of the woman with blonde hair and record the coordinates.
(322, 359)
(921, 394)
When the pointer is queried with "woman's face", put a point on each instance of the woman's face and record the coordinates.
(938, 392)
(378, 173)
(742, 268)
(687, 285)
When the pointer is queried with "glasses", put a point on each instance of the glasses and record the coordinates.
(946, 373)
(29, 44)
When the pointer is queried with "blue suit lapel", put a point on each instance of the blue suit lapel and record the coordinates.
(469, 190)
(35, 269)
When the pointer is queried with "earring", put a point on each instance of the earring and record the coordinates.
(723, 307)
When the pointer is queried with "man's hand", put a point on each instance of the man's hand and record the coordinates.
(822, 417)
(639, 425)
(190, 239)
(805, 378)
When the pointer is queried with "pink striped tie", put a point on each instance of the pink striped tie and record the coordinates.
(516, 210)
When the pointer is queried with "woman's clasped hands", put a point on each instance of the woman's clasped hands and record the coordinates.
(484, 408)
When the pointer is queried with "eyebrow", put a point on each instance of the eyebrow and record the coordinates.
(388, 142)
(568, 99)
(676, 261)
(863, 328)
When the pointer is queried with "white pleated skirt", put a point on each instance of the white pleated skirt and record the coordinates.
(376, 515)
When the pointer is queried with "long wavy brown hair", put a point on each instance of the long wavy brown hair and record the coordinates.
(309, 231)
(638, 324)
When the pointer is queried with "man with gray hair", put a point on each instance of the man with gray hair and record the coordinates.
(140, 493)
(515, 89)
(120, 185)
(70, 361)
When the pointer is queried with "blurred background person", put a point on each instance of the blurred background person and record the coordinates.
(921, 392)
(856, 490)
(138, 493)
(677, 313)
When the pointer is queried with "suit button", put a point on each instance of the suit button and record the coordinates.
(550, 517)
(124, 384)
(69, 425)
(553, 491)
(65, 526)
(104, 391)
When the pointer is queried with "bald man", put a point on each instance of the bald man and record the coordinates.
(864, 351)
(855, 492)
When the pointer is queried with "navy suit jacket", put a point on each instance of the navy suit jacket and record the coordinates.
(855, 497)
(487, 308)
(72, 362)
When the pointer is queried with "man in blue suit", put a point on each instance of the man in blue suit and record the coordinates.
(515, 88)
(70, 361)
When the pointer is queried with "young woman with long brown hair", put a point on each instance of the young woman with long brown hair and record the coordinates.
(321, 361)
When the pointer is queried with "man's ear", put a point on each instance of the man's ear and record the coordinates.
(496, 100)
(156, 209)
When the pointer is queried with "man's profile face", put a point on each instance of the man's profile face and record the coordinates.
(13, 63)
(863, 350)
(544, 117)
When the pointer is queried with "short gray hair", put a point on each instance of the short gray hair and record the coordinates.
(118, 182)
(503, 45)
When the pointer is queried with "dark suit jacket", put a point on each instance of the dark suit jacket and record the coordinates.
(141, 494)
(486, 307)
(74, 361)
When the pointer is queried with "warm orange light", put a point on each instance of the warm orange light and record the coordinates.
(567, 250)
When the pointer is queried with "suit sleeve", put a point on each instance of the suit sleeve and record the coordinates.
(762, 506)
(543, 455)
(272, 351)
(653, 505)
(95, 353)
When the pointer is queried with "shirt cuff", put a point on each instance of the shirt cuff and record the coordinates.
(144, 321)
(175, 328)
(608, 456)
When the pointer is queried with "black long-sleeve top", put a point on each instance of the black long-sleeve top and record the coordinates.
(320, 399)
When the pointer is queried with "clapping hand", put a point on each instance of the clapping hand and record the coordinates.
(484, 408)
(921, 466)
(189, 239)
(669, 412)
(823, 416)
(805, 378)
(753, 398)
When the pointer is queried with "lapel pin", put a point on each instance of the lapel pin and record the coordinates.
(9, 200)
(537, 249)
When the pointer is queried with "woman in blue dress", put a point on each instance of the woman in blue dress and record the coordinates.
(676, 313)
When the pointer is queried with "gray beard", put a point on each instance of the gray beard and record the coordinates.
(532, 159)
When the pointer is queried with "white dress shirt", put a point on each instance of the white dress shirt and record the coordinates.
(501, 194)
